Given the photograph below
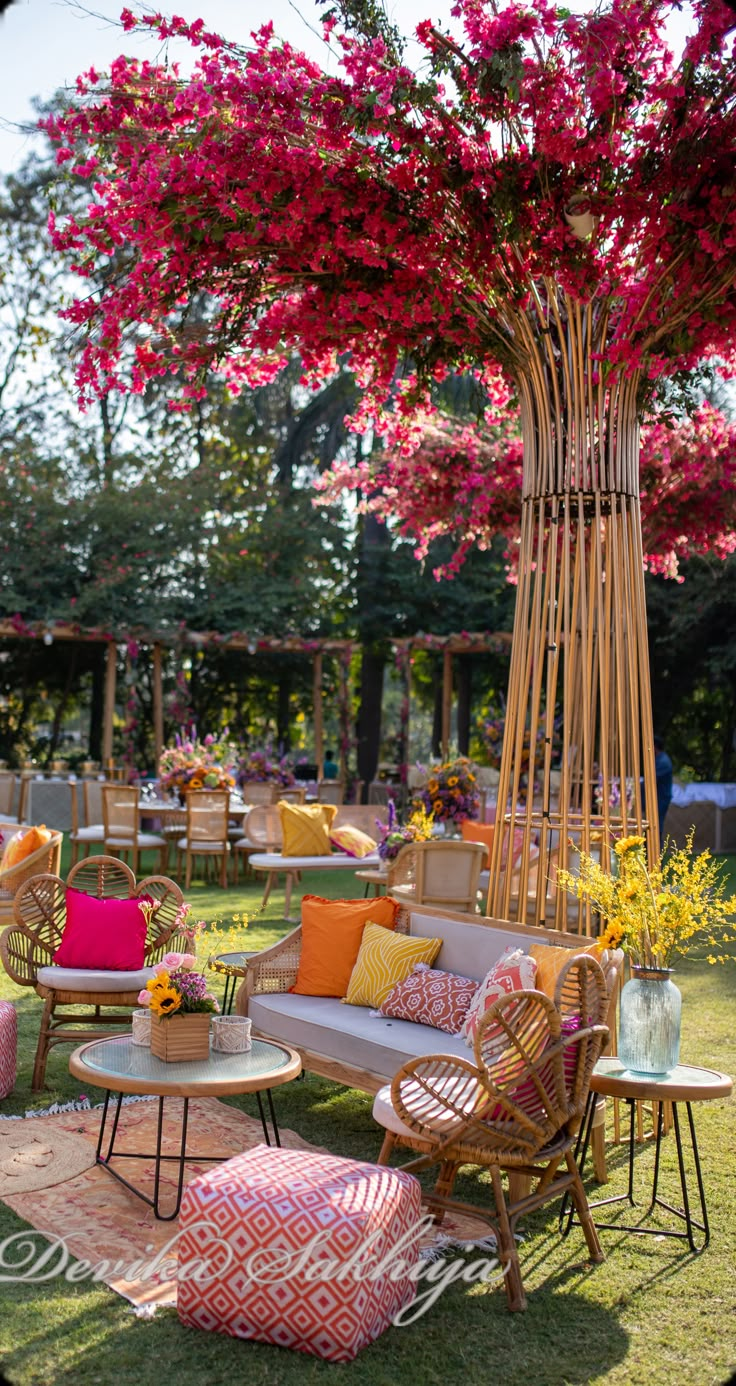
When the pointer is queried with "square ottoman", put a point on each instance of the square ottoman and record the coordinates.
(287, 1246)
(8, 1047)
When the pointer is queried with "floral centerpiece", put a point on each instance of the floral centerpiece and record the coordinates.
(451, 792)
(418, 828)
(654, 913)
(194, 764)
(264, 767)
(178, 993)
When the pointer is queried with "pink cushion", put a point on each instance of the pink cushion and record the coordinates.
(431, 997)
(104, 934)
(514, 971)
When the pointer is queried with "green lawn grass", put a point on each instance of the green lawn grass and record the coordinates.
(651, 1312)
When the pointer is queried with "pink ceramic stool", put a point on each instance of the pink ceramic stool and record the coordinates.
(8, 1047)
(269, 1215)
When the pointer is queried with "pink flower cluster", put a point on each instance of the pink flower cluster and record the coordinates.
(392, 218)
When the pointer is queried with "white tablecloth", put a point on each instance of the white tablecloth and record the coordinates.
(723, 795)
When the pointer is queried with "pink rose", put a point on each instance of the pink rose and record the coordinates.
(144, 998)
(188, 961)
(173, 961)
(163, 966)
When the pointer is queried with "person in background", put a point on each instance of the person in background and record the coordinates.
(330, 768)
(663, 771)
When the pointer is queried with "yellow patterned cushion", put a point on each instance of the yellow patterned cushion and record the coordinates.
(384, 959)
(305, 829)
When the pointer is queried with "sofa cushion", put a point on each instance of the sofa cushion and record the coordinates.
(332, 932)
(91, 979)
(550, 961)
(305, 828)
(348, 1034)
(385, 959)
(515, 971)
(431, 997)
(352, 841)
(107, 934)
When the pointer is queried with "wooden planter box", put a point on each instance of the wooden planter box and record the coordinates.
(179, 1038)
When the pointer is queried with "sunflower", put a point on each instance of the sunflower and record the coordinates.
(165, 1000)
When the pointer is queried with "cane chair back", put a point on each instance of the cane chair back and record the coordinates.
(291, 794)
(82, 838)
(260, 792)
(330, 791)
(207, 823)
(447, 874)
(515, 1109)
(30, 942)
(92, 802)
(262, 827)
(120, 818)
(7, 795)
(361, 816)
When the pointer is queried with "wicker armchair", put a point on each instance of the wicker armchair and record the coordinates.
(515, 1109)
(45, 858)
(27, 947)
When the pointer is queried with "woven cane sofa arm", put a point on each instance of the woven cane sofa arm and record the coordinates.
(272, 970)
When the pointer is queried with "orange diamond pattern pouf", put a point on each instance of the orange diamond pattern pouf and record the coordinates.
(299, 1249)
(8, 1047)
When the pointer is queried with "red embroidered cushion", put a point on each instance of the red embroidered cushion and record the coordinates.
(430, 997)
(104, 935)
(514, 971)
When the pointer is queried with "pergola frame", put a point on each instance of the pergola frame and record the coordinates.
(317, 647)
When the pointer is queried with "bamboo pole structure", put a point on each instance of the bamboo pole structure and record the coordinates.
(579, 696)
(109, 711)
(319, 752)
(446, 701)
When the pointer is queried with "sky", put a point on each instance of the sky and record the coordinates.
(45, 44)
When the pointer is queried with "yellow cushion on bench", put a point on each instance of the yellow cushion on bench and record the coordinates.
(305, 829)
(384, 959)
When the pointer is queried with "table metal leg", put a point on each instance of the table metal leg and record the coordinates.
(684, 1214)
(266, 1135)
(229, 995)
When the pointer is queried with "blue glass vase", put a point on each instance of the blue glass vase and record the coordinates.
(649, 1022)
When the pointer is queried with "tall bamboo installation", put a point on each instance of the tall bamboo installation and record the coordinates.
(579, 692)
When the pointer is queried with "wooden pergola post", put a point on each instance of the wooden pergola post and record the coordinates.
(319, 754)
(446, 701)
(109, 714)
(158, 705)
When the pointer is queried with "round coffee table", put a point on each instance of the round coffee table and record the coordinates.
(685, 1083)
(121, 1067)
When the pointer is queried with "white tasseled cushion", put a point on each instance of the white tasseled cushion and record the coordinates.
(91, 979)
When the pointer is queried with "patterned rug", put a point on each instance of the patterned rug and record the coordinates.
(107, 1226)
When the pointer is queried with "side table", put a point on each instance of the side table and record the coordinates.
(234, 966)
(684, 1084)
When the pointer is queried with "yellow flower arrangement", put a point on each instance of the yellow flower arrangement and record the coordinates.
(655, 913)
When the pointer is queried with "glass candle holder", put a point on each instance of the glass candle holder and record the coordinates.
(231, 1033)
(141, 1027)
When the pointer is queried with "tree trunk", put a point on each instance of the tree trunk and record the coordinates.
(97, 705)
(464, 680)
(579, 658)
(369, 713)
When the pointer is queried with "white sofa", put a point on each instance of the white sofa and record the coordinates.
(348, 1043)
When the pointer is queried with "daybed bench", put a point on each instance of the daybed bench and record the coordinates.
(350, 1044)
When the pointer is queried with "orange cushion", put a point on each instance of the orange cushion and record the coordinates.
(479, 832)
(305, 828)
(21, 845)
(550, 962)
(332, 932)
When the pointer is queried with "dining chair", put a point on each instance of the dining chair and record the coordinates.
(83, 836)
(7, 797)
(260, 792)
(206, 833)
(292, 794)
(121, 821)
(261, 833)
(330, 791)
(446, 874)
